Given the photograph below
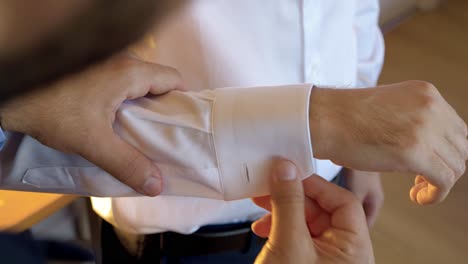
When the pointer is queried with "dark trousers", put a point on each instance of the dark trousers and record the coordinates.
(153, 245)
(114, 252)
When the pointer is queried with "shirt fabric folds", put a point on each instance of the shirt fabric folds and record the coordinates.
(214, 144)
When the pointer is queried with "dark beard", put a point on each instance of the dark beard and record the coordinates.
(105, 28)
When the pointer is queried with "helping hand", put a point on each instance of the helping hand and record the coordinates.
(76, 115)
(312, 222)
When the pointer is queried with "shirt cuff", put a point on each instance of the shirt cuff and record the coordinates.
(253, 126)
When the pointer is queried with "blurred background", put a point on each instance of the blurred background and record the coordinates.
(429, 45)
(425, 39)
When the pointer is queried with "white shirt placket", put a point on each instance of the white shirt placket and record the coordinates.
(311, 33)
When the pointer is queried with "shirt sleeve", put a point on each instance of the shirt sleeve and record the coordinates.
(370, 43)
(214, 144)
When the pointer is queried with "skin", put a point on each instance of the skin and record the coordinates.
(75, 92)
(404, 127)
(76, 114)
(313, 221)
(367, 188)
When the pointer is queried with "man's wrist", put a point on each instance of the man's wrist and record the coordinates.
(328, 118)
(319, 123)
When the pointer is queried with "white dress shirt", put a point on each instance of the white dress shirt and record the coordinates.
(206, 144)
(217, 145)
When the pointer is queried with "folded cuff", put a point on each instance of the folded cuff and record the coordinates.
(253, 126)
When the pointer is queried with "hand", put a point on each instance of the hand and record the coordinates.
(367, 188)
(406, 127)
(331, 229)
(76, 115)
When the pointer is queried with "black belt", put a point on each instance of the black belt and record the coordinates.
(207, 240)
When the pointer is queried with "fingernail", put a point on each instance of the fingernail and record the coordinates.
(152, 186)
(285, 171)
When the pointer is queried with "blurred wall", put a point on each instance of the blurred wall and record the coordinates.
(391, 9)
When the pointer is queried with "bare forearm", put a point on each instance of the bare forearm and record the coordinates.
(392, 128)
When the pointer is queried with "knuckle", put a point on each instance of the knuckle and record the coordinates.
(457, 174)
(131, 169)
(121, 64)
(458, 168)
(428, 94)
(416, 158)
(170, 70)
(353, 200)
(427, 101)
(288, 198)
(461, 169)
(425, 87)
(449, 181)
(276, 251)
(134, 71)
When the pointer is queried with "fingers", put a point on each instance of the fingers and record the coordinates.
(434, 186)
(418, 179)
(289, 239)
(371, 207)
(317, 219)
(319, 222)
(262, 226)
(446, 165)
(460, 144)
(453, 158)
(329, 196)
(107, 149)
(124, 162)
(423, 192)
(164, 78)
(458, 121)
(345, 210)
(287, 199)
(325, 205)
(154, 78)
(263, 201)
(367, 188)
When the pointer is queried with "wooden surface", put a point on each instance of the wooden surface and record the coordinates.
(21, 210)
(430, 46)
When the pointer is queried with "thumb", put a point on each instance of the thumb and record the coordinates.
(287, 200)
(124, 162)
